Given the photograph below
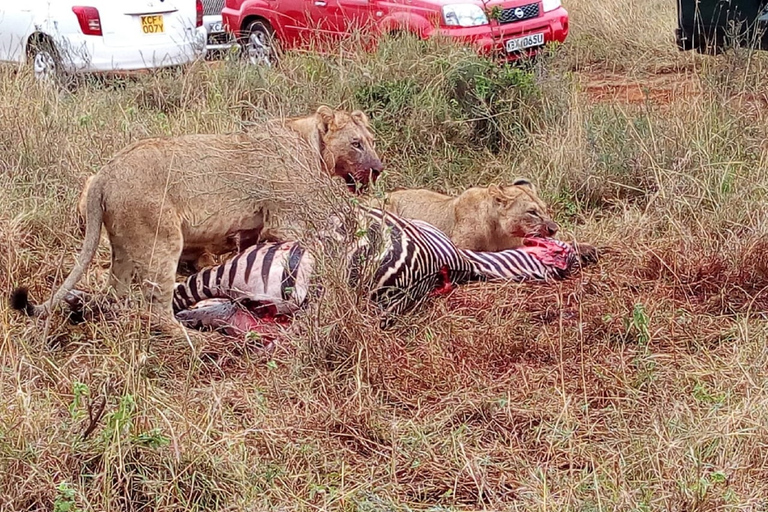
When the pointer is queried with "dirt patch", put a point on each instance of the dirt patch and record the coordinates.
(658, 89)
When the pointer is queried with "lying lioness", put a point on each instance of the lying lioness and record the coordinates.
(480, 219)
(163, 197)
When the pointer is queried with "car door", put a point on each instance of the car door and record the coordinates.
(291, 20)
(17, 23)
(712, 22)
(331, 20)
(325, 22)
(357, 14)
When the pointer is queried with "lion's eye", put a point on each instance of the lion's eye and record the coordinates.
(357, 144)
(533, 212)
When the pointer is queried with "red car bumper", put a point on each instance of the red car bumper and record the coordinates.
(491, 40)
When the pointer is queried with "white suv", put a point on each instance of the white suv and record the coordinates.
(218, 38)
(104, 35)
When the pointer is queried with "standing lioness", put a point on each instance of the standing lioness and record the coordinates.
(195, 259)
(480, 219)
(160, 197)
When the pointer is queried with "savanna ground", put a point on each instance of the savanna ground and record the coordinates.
(639, 384)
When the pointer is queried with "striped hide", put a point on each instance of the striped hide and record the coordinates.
(416, 258)
(399, 263)
(274, 273)
(542, 260)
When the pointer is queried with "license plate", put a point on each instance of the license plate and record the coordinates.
(152, 24)
(216, 27)
(521, 43)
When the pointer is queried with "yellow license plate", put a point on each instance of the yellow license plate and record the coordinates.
(152, 24)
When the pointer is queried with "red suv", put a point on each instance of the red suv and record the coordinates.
(505, 29)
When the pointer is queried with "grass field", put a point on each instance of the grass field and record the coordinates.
(639, 384)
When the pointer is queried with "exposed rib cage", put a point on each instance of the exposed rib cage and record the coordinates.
(408, 259)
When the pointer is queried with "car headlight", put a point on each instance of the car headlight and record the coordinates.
(464, 15)
(550, 5)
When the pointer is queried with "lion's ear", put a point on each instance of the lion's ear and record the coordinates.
(360, 117)
(522, 182)
(326, 116)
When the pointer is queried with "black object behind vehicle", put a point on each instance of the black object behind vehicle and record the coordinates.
(706, 25)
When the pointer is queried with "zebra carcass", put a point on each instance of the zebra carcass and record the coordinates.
(411, 260)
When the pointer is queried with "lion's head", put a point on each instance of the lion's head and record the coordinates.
(520, 212)
(347, 146)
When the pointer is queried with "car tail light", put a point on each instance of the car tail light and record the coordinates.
(199, 7)
(89, 20)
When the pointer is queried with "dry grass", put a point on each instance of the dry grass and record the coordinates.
(638, 385)
(624, 36)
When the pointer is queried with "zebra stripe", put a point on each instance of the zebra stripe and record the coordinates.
(506, 265)
(220, 273)
(250, 260)
(518, 264)
(233, 266)
(290, 273)
(412, 266)
(266, 265)
(282, 272)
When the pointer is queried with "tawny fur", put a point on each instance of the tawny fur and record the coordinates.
(480, 219)
(163, 197)
(191, 260)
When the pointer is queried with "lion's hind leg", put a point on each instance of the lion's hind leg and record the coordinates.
(122, 270)
(149, 253)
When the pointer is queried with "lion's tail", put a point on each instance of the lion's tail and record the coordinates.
(19, 299)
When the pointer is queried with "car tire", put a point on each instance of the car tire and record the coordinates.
(44, 59)
(711, 50)
(259, 44)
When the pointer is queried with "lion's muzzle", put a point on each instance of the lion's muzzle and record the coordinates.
(367, 175)
(550, 228)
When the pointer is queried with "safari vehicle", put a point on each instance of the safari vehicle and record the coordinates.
(62, 36)
(218, 38)
(505, 29)
(708, 26)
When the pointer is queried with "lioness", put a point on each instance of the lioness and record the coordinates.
(480, 219)
(190, 261)
(163, 197)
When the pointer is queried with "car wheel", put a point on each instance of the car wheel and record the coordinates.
(711, 50)
(259, 44)
(44, 58)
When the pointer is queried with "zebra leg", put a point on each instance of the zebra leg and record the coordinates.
(587, 253)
